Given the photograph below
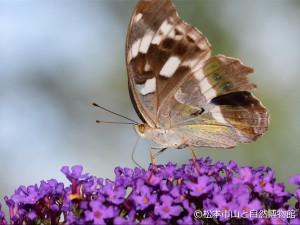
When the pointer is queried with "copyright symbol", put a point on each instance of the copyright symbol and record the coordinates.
(197, 214)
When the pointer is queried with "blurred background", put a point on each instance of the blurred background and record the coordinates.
(57, 57)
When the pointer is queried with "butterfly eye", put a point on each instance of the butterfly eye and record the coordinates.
(141, 128)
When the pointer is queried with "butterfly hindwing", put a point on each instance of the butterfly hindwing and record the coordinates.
(214, 108)
(219, 75)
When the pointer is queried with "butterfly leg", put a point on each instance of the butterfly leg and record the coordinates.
(161, 150)
(151, 156)
(194, 158)
(152, 162)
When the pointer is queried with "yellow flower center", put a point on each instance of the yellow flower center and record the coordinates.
(224, 209)
(166, 209)
(97, 215)
(74, 196)
(199, 189)
(179, 181)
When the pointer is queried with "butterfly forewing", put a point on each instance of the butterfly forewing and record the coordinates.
(161, 50)
(178, 90)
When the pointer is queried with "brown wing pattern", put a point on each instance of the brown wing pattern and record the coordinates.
(214, 108)
(161, 51)
(219, 75)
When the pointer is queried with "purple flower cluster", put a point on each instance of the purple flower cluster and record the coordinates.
(196, 193)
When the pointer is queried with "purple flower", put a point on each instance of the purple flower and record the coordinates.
(54, 208)
(113, 193)
(92, 185)
(2, 216)
(148, 221)
(99, 212)
(295, 180)
(279, 192)
(73, 219)
(165, 209)
(169, 172)
(189, 218)
(122, 221)
(245, 205)
(130, 220)
(246, 176)
(295, 221)
(32, 215)
(297, 194)
(263, 184)
(75, 173)
(277, 220)
(84, 205)
(153, 178)
(178, 193)
(222, 204)
(12, 206)
(32, 195)
(202, 186)
(143, 197)
(232, 166)
(123, 176)
(215, 170)
(160, 195)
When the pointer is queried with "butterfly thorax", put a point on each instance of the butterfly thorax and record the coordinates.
(165, 138)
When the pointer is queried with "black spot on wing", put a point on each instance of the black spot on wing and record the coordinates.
(138, 66)
(190, 39)
(181, 49)
(168, 43)
(177, 32)
(196, 49)
(197, 113)
(241, 98)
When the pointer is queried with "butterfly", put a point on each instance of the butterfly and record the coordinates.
(184, 96)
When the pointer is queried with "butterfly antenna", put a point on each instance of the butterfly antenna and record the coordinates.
(99, 121)
(111, 122)
(133, 151)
